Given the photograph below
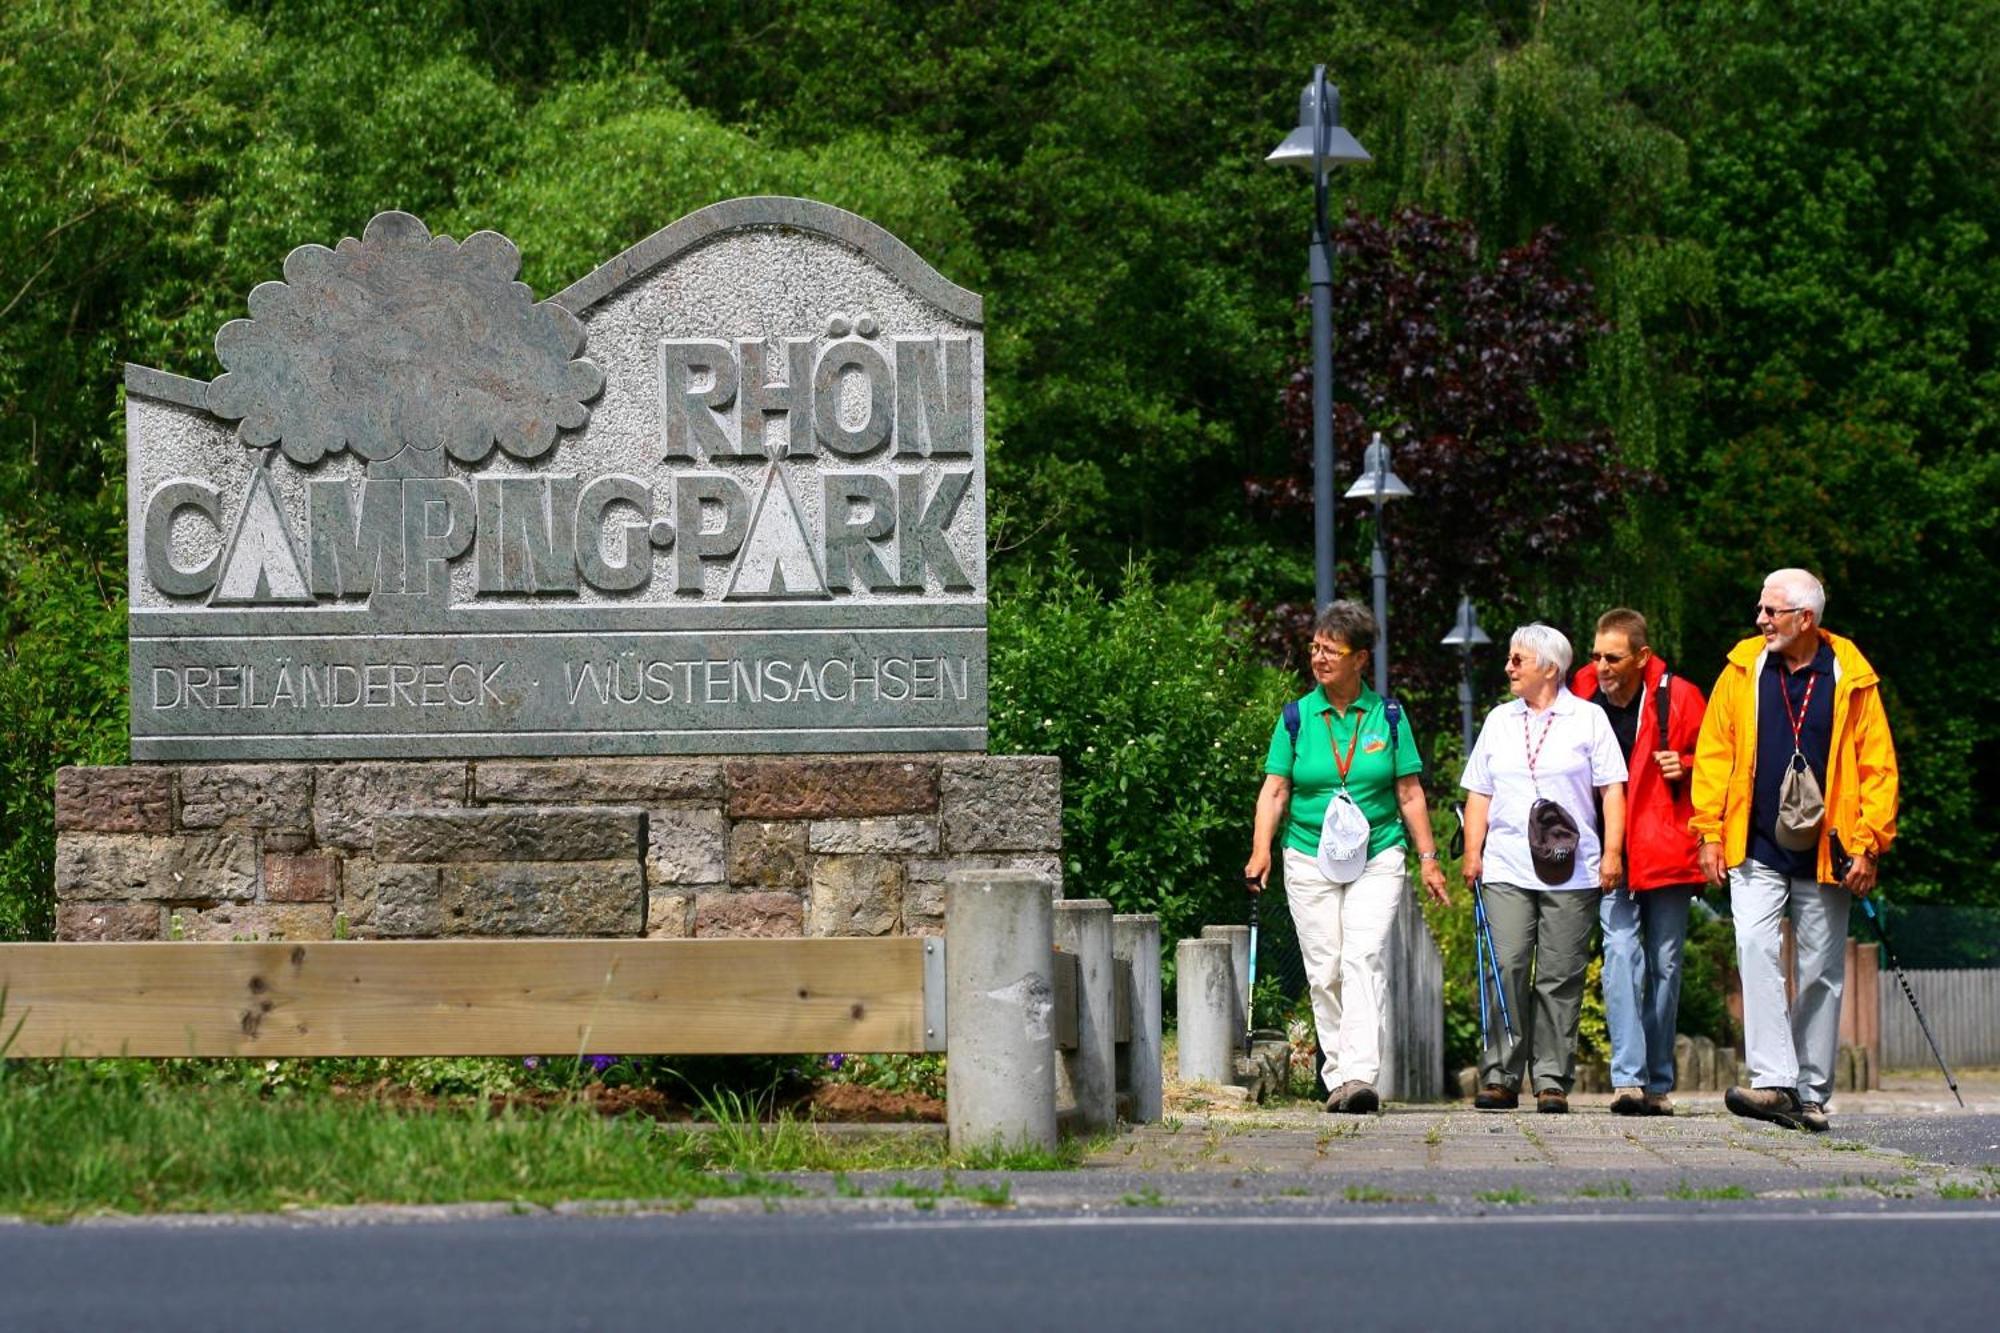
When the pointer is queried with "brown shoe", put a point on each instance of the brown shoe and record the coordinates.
(1780, 1106)
(1551, 1102)
(1629, 1101)
(1354, 1098)
(1496, 1097)
(1812, 1116)
(1658, 1103)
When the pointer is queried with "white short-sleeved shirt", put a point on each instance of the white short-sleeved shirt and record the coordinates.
(1580, 755)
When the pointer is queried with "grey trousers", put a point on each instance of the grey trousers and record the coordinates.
(1550, 931)
(1790, 1046)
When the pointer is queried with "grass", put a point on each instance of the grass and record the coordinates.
(1145, 1198)
(75, 1146)
(87, 1137)
(1504, 1196)
(1618, 1189)
(1368, 1194)
(1687, 1191)
(1961, 1189)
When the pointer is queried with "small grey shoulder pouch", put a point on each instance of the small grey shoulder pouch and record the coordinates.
(1801, 807)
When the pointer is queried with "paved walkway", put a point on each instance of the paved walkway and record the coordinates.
(1899, 1143)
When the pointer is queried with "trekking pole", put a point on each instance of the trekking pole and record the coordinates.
(1479, 952)
(1250, 998)
(1478, 937)
(1882, 934)
(1485, 928)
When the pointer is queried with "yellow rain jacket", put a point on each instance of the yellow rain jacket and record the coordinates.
(1861, 779)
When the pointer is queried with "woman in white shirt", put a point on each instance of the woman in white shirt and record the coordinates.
(1543, 768)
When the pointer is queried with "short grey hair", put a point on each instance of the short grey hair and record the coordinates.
(1805, 592)
(1348, 621)
(1547, 643)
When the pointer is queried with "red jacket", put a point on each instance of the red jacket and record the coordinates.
(1659, 848)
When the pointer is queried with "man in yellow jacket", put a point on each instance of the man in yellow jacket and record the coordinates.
(1796, 714)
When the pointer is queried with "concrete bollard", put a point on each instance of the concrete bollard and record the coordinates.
(1211, 1028)
(1704, 1063)
(1000, 1077)
(1136, 939)
(1089, 1073)
(1239, 968)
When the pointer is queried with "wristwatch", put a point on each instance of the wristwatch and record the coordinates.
(1427, 856)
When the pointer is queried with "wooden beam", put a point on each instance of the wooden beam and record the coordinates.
(471, 997)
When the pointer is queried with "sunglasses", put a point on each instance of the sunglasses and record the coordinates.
(1609, 659)
(1521, 660)
(1774, 611)
(1327, 650)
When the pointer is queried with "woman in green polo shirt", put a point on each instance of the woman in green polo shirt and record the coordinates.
(1344, 890)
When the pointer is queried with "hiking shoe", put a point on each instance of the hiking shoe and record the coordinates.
(1629, 1101)
(1354, 1098)
(1780, 1106)
(1812, 1116)
(1496, 1097)
(1658, 1103)
(1551, 1102)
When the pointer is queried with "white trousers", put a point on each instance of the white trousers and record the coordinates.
(1790, 1046)
(1343, 932)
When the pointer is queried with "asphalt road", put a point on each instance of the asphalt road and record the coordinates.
(1833, 1266)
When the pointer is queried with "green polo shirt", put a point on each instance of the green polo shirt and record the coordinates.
(1371, 779)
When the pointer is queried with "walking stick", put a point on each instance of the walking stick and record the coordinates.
(1250, 998)
(1488, 958)
(1485, 929)
(1882, 934)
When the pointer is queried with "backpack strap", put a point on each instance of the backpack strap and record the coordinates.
(1663, 705)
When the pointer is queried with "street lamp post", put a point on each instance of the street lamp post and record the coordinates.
(1465, 636)
(1316, 144)
(1378, 484)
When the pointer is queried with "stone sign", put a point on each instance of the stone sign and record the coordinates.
(726, 494)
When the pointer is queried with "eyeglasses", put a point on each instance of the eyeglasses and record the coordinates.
(1520, 660)
(1330, 651)
(1609, 659)
(1774, 611)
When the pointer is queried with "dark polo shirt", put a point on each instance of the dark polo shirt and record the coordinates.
(1775, 686)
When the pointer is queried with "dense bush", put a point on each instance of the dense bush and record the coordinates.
(1161, 720)
(62, 701)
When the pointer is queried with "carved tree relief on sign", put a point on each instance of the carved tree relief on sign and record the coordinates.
(726, 493)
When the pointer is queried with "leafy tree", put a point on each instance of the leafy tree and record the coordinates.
(1470, 369)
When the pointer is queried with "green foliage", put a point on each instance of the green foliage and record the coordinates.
(1161, 724)
(76, 1141)
(922, 1075)
(62, 686)
(1787, 212)
(1707, 962)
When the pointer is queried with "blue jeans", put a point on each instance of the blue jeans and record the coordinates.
(1643, 935)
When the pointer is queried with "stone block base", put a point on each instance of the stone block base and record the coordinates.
(669, 848)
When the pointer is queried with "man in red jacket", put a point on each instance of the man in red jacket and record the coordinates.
(1645, 920)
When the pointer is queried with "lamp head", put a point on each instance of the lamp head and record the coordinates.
(1378, 481)
(1319, 113)
(1465, 632)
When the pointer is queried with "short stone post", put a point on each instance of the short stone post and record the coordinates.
(1239, 968)
(1211, 1028)
(1136, 939)
(1000, 1074)
(1089, 1073)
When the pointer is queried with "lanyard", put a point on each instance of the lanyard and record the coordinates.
(1798, 721)
(1342, 764)
(1534, 745)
